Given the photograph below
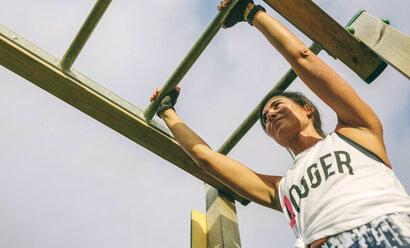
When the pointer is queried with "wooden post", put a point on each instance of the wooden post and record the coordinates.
(222, 221)
(387, 42)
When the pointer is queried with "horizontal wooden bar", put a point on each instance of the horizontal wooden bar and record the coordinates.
(85, 32)
(323, 29)
(389, 43)
(190, 58)
(42, 69)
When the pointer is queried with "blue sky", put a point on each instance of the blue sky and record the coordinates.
(68, 181)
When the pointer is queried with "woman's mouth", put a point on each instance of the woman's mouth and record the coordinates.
(276, 121)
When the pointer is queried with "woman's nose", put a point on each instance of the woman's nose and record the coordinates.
(271, 115)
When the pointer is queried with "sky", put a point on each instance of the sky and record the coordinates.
(66, 180)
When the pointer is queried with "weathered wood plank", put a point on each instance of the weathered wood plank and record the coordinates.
(221, 219)
(389, 43)
(198, 229)
(42, 69)
(323, 29)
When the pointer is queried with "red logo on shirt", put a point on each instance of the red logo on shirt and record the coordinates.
(288, 206)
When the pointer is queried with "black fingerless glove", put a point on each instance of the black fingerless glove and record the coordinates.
(168, 102)
(236, 14)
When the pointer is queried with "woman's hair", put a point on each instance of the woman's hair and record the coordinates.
(299, 99)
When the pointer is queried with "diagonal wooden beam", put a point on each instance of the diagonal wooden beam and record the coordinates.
(323, 29)
(42, 69)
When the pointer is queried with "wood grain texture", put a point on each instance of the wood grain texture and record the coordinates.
(323, 29)
(389, 43)
(42, 69)
(221, 219)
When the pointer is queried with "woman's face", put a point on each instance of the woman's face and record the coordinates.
(284, 119)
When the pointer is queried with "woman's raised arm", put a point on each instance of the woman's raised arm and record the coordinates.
(262, 189)
(356, 119)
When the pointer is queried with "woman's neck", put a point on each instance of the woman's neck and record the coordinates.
(304, 141)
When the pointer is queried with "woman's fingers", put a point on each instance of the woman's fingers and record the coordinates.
(156, 92)
(222, 4)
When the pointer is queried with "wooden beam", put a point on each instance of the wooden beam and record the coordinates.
(222, 221)
(42, 69)
(323, 29)
(198, 229)
(390, 44)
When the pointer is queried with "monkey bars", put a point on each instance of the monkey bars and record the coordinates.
(359, 52)
(42, 69)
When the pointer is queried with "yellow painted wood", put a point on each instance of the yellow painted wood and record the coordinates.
(323, 29)
(389, 43)
(42, 69)
(198, 229)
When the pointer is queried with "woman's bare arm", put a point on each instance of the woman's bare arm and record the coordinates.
(318, 76)
(262, 189)
(356, 119)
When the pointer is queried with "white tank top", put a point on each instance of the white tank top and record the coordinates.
(337, 185)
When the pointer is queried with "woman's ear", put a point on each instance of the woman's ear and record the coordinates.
(309, 111)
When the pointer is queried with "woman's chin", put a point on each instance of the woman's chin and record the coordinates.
(284, 137)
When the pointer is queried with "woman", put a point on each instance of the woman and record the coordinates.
(341, 191)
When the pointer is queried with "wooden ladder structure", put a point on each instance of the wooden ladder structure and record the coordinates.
(367, 52)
